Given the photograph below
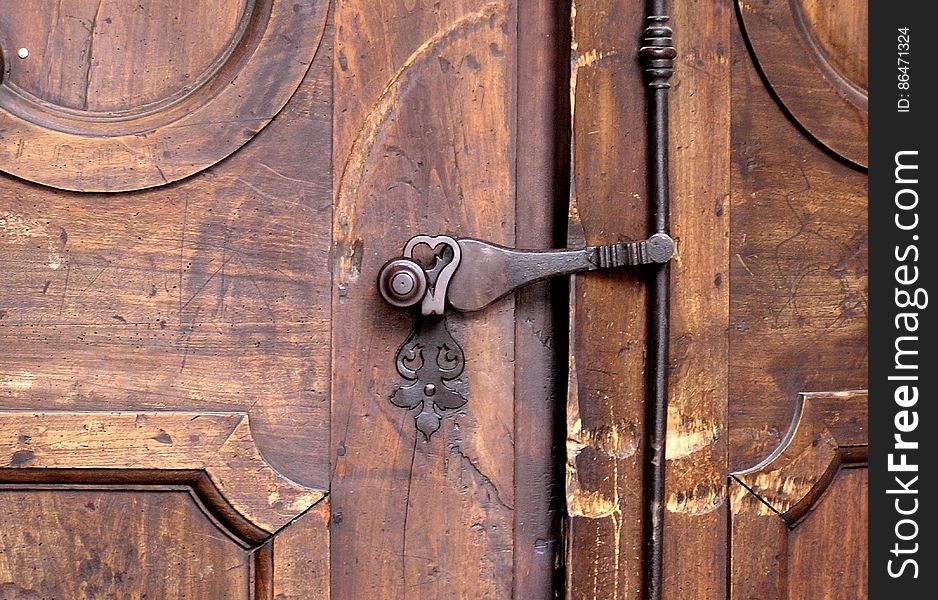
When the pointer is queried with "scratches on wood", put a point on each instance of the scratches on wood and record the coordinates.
(828, 430)
(388, 103)
(606, 381)
(107, 93)
(803, 508)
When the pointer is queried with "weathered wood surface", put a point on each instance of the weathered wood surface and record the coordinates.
(606, 397)
(798, 267)
(425, 142)
(118, 97)
(542, 171)
(209, 294)
(790, 537)
(50, 445)
(798, 303)
(829, 430)
(813, 55)
(165, 373)
(117, 542)
(696, 445)
(300, 567)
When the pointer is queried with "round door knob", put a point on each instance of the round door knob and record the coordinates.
(402, 282)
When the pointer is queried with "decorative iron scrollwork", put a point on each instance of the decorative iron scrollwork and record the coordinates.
(433, 361)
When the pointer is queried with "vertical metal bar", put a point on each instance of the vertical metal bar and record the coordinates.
(657, 55)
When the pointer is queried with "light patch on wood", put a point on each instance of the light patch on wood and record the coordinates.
(20, 381)
(698, 501)
(619, 440)
(18, 230)
(590, 58)
(686, 437)
(742, 500)
(592, 505)
(780, 491)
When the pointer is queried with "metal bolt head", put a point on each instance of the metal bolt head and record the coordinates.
(402, 282)
(660, 248)
(23, 52)
(429, 389)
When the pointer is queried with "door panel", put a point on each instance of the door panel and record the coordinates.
(426, 142)
(206, 295)
(196, 198)
(102, 96)
(798, 302)
(798, 260)
(166, 366)
(94, 542)
(799, 519)
(208, 331)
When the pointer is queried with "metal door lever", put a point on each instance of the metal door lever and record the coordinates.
(471, 274)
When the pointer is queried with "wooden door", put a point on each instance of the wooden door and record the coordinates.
(195, 199)
(798, 301)
(766, 448)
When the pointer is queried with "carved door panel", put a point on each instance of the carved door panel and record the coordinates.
(195, 200)
(196, 376)
(798, 301)
(165, 363)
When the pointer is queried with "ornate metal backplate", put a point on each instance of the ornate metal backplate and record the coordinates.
(432, 361)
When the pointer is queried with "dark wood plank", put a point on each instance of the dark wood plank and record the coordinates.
(696, 447)
(543, 170)
(88, 543)
(606, 398)
(828, 553)
(424, 143)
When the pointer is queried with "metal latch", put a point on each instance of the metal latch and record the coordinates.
(468, 275)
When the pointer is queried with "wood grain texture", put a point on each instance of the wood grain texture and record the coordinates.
(221, 445)
(789, 535)
(170, 343)
(543, 171)
(792, 42)
(828, 553)
(106, 101)
(606, 397)
(424, 143)
(210, 294)
(696, 446)
(798, 268)
(840, 30)
(829, 430)
(300, 566)
(96, 57)
(99, 543)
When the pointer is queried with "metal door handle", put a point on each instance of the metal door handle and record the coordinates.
(470, 274)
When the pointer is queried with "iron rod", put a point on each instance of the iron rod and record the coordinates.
(657, 54)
